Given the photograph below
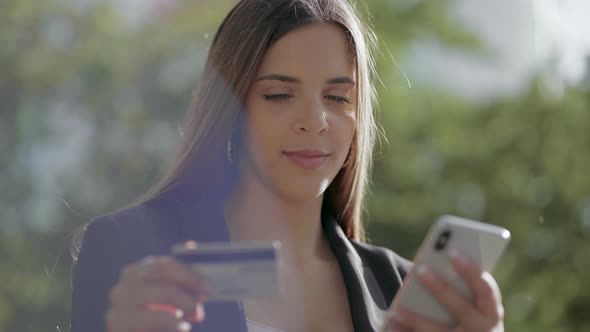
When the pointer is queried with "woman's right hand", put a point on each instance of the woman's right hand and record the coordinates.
(156, 294)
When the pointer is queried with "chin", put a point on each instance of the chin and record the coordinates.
(300, 190)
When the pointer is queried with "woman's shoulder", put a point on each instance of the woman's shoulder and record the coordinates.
(139, 229)
(119, 221)
(112, 232)
(107, 244)
(132, 221)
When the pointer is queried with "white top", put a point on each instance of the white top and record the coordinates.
(257, 327)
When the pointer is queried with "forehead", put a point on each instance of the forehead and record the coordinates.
(317, 49)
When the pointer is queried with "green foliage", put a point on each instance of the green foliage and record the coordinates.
(90, 105)
(516, 162)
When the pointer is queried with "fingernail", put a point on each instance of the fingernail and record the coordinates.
(200, 312)
(422, 270)
(179, 313)
(184, 326)
(147, 260)
(190, 245)
(426, 274)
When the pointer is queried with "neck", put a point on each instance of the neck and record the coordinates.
(253, 213)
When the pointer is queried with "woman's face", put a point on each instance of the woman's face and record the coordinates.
(301, 112)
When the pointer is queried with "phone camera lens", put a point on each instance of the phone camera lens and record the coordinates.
(442, 240)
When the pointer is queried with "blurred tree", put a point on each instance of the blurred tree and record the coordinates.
(520, 163)
(91, 96)
(90, 102)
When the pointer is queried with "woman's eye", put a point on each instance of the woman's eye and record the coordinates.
(281, 97)
(338, 99)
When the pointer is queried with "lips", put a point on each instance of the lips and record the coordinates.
(307, 159)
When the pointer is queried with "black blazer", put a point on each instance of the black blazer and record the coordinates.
(112, 241)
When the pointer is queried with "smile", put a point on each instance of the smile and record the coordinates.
(307, 159)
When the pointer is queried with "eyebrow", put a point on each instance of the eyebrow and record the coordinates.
(290, 79)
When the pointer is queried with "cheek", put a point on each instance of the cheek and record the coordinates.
(344, 128)
(263, 135)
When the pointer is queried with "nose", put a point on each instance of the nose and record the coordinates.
(313, 119)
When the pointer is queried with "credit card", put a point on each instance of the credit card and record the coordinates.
(234, 270)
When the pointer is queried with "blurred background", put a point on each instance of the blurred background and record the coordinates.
(485, 106)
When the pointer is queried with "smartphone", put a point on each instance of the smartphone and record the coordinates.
(234, 270)
(483, 243)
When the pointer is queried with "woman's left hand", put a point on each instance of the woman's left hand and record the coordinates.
(484, 314)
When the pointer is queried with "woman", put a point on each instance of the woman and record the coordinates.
(277, 146)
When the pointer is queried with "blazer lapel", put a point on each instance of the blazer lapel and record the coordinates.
(367, 305)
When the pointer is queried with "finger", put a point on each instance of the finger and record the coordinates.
(399, 328)
(488, 298)
(168, 295)
(144, 321)
(460, 308)
(391, 324)
(167, 269)
(195, 315)
(198, 315)
(169, 299)
(163, 297)
(394, 325)
(404, 320)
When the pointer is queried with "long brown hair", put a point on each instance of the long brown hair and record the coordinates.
(215, 114)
